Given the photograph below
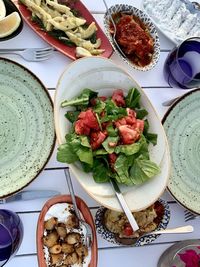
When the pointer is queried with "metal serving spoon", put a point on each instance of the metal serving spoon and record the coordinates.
(170, 101)
(178, 230)
(88, 235)
(115, 30)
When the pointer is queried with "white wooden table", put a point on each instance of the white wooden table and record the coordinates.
(53, 176)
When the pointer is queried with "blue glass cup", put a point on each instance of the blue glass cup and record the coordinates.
(182, 66)
(11, 234)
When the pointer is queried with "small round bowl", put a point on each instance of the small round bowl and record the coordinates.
(144, 240)
(131, 10)
(87, 217)
(11, 7)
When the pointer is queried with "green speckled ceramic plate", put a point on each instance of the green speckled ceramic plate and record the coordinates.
(27, 135)
(182, 126)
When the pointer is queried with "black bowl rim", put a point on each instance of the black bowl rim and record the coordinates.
(11, 7)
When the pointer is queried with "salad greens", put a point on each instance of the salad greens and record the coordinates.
(128, 163)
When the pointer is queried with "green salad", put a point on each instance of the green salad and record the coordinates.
(109, 137)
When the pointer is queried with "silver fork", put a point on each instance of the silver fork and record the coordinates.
(88, 237)
(115, 30)
(30, 54)
(188, 215)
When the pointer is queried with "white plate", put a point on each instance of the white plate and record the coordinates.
(104, 76)
(176, 19)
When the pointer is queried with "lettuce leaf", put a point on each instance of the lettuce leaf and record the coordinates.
(133, 98)
(82, 100)
(109, 140)
(121, 166)
(142, 170)
(66, 154)
(77, 147)
(132, 148)
(100, 171)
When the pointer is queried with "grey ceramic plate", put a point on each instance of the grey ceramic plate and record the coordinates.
(172, 256)
(27, 135)
(182, 126)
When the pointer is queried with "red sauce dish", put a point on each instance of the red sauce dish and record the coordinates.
(133, 38)
(135, 35)
(41, 227)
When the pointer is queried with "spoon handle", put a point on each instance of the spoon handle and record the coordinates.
(71, 190)
(124, 205)
(178, 230)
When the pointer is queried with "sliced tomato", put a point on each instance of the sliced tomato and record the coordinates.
(93, 101)
(103, 98)
(112, 157)
(89, 119)
(130, 120)
(81, 128)
(120, 122)
(118, 98)
(131, 112)
(128, 231)
(140, 125)
(96, 139)
(128, 134)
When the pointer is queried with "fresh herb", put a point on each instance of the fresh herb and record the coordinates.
(72, 116)
(151, 137)
(133, 98)
(38, 21)
(82, 100)
(76, 12)
(141, 113)
(93, 38)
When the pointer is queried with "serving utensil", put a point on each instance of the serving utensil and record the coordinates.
(124, 205)
(178, 230)
(30, 195)
(31, 54)
(169, 102)
(115, 30)
(88, 234)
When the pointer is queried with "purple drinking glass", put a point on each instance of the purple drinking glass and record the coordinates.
(11, 234)
(182, 66)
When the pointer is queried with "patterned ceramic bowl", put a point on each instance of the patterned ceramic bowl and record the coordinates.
(110, 237)
(145, 21)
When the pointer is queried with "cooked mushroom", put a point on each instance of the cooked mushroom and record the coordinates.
(51, 239)
(67, 248)
(72, 222)
(73, 238)
(50, 224)
(62, 232)
(56, 249)
(71, 259)
(82, 251)
(56, 258)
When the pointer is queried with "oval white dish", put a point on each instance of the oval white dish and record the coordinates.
(104, 76)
